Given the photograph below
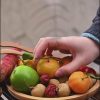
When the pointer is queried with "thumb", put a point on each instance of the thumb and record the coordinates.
(69, 68)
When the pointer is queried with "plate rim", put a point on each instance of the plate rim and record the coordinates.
(89, 93)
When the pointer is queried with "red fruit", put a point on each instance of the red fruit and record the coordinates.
(90, 72)
(44, 79)
(66, 60)
(51, 91)
(7, 64)
(87, 69)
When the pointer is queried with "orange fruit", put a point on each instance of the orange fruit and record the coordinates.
(79, 82)
(30, 63)
(47, 65)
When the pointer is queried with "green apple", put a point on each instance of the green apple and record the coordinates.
(23, 77)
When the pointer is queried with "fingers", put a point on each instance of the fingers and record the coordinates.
(71, 67)
(49, 52)
(44, 44)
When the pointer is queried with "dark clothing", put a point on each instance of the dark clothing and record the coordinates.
(95, 27)
(94, 32)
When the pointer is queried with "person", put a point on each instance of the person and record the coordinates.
(84, 49)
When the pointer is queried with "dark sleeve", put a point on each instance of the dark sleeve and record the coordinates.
(95, 27)
(94, 32)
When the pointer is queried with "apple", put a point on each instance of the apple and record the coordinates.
(23, 77)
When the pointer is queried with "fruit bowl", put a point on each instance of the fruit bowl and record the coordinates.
(89, 93)
(22, 96)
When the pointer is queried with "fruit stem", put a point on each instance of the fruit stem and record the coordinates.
(84, 78)
(22, 60)
(94, 77)
(24, 63)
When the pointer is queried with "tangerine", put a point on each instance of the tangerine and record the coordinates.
(47, 66)
(79, 82)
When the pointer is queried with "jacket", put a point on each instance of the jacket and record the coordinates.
(94, 32)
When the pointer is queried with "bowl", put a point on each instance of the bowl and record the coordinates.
(89, 93)
(21, 96)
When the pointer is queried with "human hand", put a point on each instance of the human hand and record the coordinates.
(83, 50)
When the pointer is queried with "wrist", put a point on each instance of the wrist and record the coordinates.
(91, 36)
(96, 42)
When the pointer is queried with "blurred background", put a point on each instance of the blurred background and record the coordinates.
(26, 21)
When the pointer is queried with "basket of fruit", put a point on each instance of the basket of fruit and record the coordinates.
(33, 79)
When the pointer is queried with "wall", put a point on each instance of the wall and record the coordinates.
(25, 21)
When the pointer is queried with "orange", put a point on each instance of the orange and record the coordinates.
(47, 66)
(30, 63)
(79, 82)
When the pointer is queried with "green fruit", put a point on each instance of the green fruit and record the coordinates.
(23, 77)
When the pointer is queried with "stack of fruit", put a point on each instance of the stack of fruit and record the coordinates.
(37, 78)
